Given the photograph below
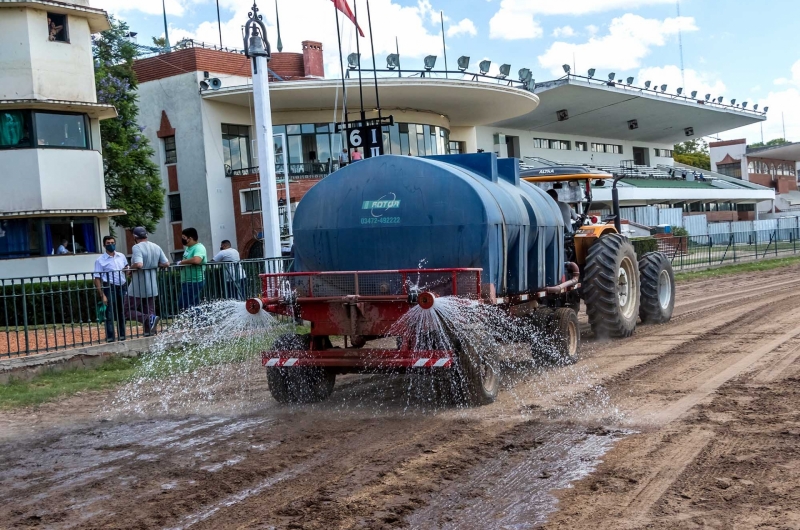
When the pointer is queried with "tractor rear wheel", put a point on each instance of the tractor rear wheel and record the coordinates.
(658, 288)
(611, 287)
(299, 384)
(567, 335)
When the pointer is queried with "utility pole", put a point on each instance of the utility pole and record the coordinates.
(166, 29)
(680, 43)
(256, 48)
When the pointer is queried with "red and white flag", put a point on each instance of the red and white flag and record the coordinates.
(342, 6)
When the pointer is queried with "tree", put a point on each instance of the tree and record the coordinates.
(133, 182)
(771, 143)
(160, 42)
(693, 153)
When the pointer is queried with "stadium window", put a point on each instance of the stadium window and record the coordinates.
(616, 149)
(598, 148)
(665, 153)
(175, 213)
(57, 30)
(751, 167)
(456, 148)
(580, 146)
(541, 143)
(236, 146)
(170, 153)
(559, 144)
(732, 170)
(251, 201)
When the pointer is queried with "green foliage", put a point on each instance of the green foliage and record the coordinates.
(133, 182)
(48, 303)
(693, 153)
(54, 385)
(161, 42)
(644, 245)
(700, 161)
(771, 143)
(679, 231)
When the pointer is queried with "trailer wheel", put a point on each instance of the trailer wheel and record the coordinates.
(476, 374)
(611, 287)
(299, 384)
(658, 288)
(567, 336)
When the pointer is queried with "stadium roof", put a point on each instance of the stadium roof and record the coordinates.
(779, 152)
(603, 110)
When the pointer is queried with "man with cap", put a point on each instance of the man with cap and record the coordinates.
(140, 304)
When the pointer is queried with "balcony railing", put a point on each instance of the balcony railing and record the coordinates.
(300, 170)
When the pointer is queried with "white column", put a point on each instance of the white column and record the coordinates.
(266, 158)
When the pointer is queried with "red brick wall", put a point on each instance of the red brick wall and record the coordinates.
(312, 59)
(758, 178)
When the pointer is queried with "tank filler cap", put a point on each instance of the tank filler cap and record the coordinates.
(426, 300)
(254, 306)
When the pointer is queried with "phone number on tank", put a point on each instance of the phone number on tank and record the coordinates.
(380, 220)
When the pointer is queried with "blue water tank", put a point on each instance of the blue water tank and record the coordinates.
(402, 212)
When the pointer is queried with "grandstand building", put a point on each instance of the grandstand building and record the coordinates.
(196, 106)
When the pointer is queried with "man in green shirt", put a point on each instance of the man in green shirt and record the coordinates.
(192, 268)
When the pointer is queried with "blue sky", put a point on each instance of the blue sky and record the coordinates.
(734, 49)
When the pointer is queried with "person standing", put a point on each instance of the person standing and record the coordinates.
(111, 283)
(232, 270)
(146, 257)
(356, 156)
(192, 268)
(343, 158)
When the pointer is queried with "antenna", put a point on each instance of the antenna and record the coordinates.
(680, 42)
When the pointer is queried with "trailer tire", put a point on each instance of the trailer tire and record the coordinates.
(476, 373)
(542, 335)
(299, 384)
(567, 335)
(611, 287)
(657, 288)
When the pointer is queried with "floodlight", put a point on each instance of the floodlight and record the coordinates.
(611, 76)
(733, 102)
(680, 91)
(719, 99)
(505, 69)
(647, 84)
(694, 94)
(591, 72)
(484, 66)
(353, 61)
(463, 62)
(525, 74)
(630, 80)
(530, 84)
(755, 107)
(430, 62)
(204, 85)
(663, 88)
(708, 96)
(744, 104)
(566, 68)
(392, 61)
(766, 109)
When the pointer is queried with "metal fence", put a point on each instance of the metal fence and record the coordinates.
(690, 252)
(48, 313)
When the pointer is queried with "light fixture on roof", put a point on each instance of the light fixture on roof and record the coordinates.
(694, 94)
(630, 80)
(505, 69)
(392, 61)
(430, 62)
(484, 66)
(766, 109)
(755, 107)
(353, 60)
(708, 96)
(611, 76)
(733, 102)
(591, 72)
(680, 90)
(664, 88)
(463, 62)
(525, 74)
(719, 99)
(566, 68)
(744, 104)
(647, 85)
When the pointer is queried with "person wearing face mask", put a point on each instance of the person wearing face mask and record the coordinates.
(146, 258)
(111, 284)
(192, 268)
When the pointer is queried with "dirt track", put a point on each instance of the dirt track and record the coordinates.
(694, 423)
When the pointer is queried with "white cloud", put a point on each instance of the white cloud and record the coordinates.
(151, 7)
(465, 27)
(416, 27)
(592, 30)
(565, 31)
(671, 76)
(509, 25)
(629, 39)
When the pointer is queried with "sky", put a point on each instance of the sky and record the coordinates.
(733, 48)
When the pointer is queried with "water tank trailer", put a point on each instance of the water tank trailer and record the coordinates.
(382, 235)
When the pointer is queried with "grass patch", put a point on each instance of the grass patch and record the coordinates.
(53, 385)
(752, 266)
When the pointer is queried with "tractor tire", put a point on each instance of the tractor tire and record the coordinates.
(567, 335)
(543, 335)
(299, 384)
(657, 288)
(476, 373)
(611, 287)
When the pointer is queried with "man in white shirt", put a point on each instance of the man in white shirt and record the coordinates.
(111, 282)
(343, 158)
(233, 270)
(62, 248)
(146, 257)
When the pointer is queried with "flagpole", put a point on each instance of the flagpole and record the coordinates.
(166, 30)
(444, 45)
(374, 68)
(397, 51)
(219, 26)
(341, 64)
(358, 52)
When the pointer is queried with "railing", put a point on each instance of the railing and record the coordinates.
(299, 170)
(48, 313)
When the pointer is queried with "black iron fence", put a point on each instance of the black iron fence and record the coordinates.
(48, 313)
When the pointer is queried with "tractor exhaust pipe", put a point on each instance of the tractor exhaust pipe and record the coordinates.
(575, 280)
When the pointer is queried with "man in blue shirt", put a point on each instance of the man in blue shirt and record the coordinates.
(111, 283)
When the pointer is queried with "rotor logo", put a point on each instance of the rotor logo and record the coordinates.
(381, 206)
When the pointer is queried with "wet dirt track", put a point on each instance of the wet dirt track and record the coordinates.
(695, 423)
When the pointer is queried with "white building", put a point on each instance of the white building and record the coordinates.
(208, 157)
(51, 168)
